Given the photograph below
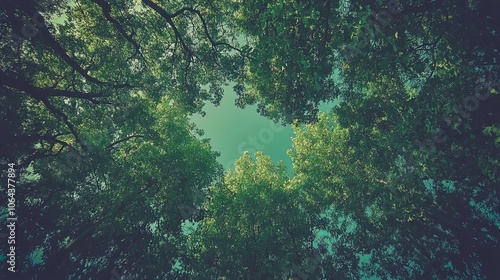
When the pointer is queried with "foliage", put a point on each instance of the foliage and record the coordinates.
(399, 181)
(253, 227)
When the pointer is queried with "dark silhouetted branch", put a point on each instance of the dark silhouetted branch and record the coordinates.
(112, 145)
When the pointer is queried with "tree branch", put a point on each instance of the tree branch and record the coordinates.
(111, 146)
(40, 154)
(40, 93)
(205, 29)
(168, 17)
(60, 113)
(29, 7)
(106, 10)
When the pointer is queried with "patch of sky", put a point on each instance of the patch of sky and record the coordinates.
(233, 130)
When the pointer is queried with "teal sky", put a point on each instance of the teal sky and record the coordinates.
(232, 130)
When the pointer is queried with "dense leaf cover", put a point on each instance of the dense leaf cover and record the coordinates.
(400, 181)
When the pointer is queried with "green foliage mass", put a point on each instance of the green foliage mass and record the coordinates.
(400, 181)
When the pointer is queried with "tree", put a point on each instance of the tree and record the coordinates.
(253, 228)
(305, 52)
(117, 204)
(99, 111)
(101, 54)
(287, 74)
(403, 175)
(424, 216)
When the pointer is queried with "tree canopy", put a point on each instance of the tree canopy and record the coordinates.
(399, 181)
